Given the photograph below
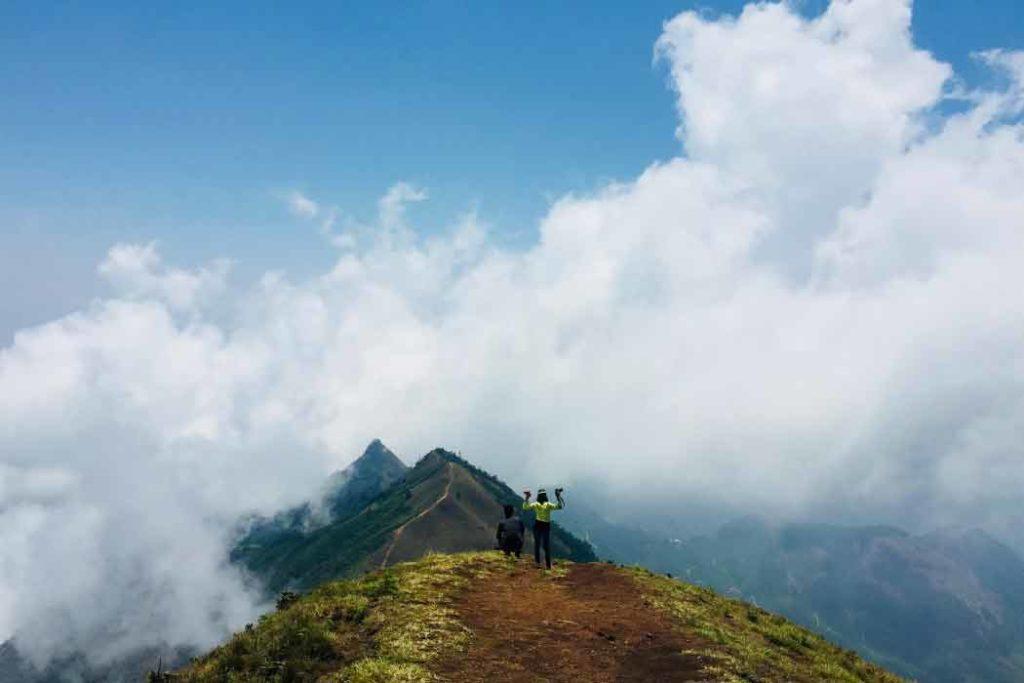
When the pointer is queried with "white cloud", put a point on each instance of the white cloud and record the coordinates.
(815, 312)
(393, 203)
(18, 485)
(302, 206)
(805, 111)
(390, 226)
(136, 271)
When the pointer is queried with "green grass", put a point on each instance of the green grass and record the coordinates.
(746, 643)
(397, 624)
(387, 626)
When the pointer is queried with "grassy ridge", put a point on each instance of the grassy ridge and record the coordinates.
(401, 624)
(298, 560)
(387, 626)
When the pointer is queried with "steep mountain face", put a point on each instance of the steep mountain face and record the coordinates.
(344, 493)
(351, 489)
(483, 617)
(938, 607)
(443, 504)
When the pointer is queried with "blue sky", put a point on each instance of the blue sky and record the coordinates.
(185, 124)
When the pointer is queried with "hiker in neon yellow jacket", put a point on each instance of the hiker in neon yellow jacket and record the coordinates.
(542, 527)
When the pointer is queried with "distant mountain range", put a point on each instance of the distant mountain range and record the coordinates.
(944, 606)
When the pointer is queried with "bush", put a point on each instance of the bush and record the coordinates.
(286, 599)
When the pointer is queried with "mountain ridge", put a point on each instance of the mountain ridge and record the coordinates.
(443, 503)
(480, 616)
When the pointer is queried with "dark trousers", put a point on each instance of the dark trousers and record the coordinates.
(511, 543)
(542, 536)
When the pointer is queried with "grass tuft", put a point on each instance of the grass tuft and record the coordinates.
(379, 670)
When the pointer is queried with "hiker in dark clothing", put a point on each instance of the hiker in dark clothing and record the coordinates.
(511, 531)
(542, 527)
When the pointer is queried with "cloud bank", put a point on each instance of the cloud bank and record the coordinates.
(814, 310)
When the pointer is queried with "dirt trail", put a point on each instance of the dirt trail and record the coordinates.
(588, 625)
(398, 532)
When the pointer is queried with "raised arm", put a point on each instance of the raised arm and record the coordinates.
(558, 497)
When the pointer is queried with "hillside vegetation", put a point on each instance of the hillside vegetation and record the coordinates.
(482, 617)
(443, 504)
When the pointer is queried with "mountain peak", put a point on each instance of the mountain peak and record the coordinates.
(377, 455)
(434, 458)
(365, 478)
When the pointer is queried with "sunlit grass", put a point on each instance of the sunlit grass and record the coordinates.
(385, 626)
(398, 624)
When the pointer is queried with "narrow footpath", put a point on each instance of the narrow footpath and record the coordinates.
(582, 622)
(398, 532)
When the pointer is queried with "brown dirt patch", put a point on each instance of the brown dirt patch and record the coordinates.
(590, 624)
